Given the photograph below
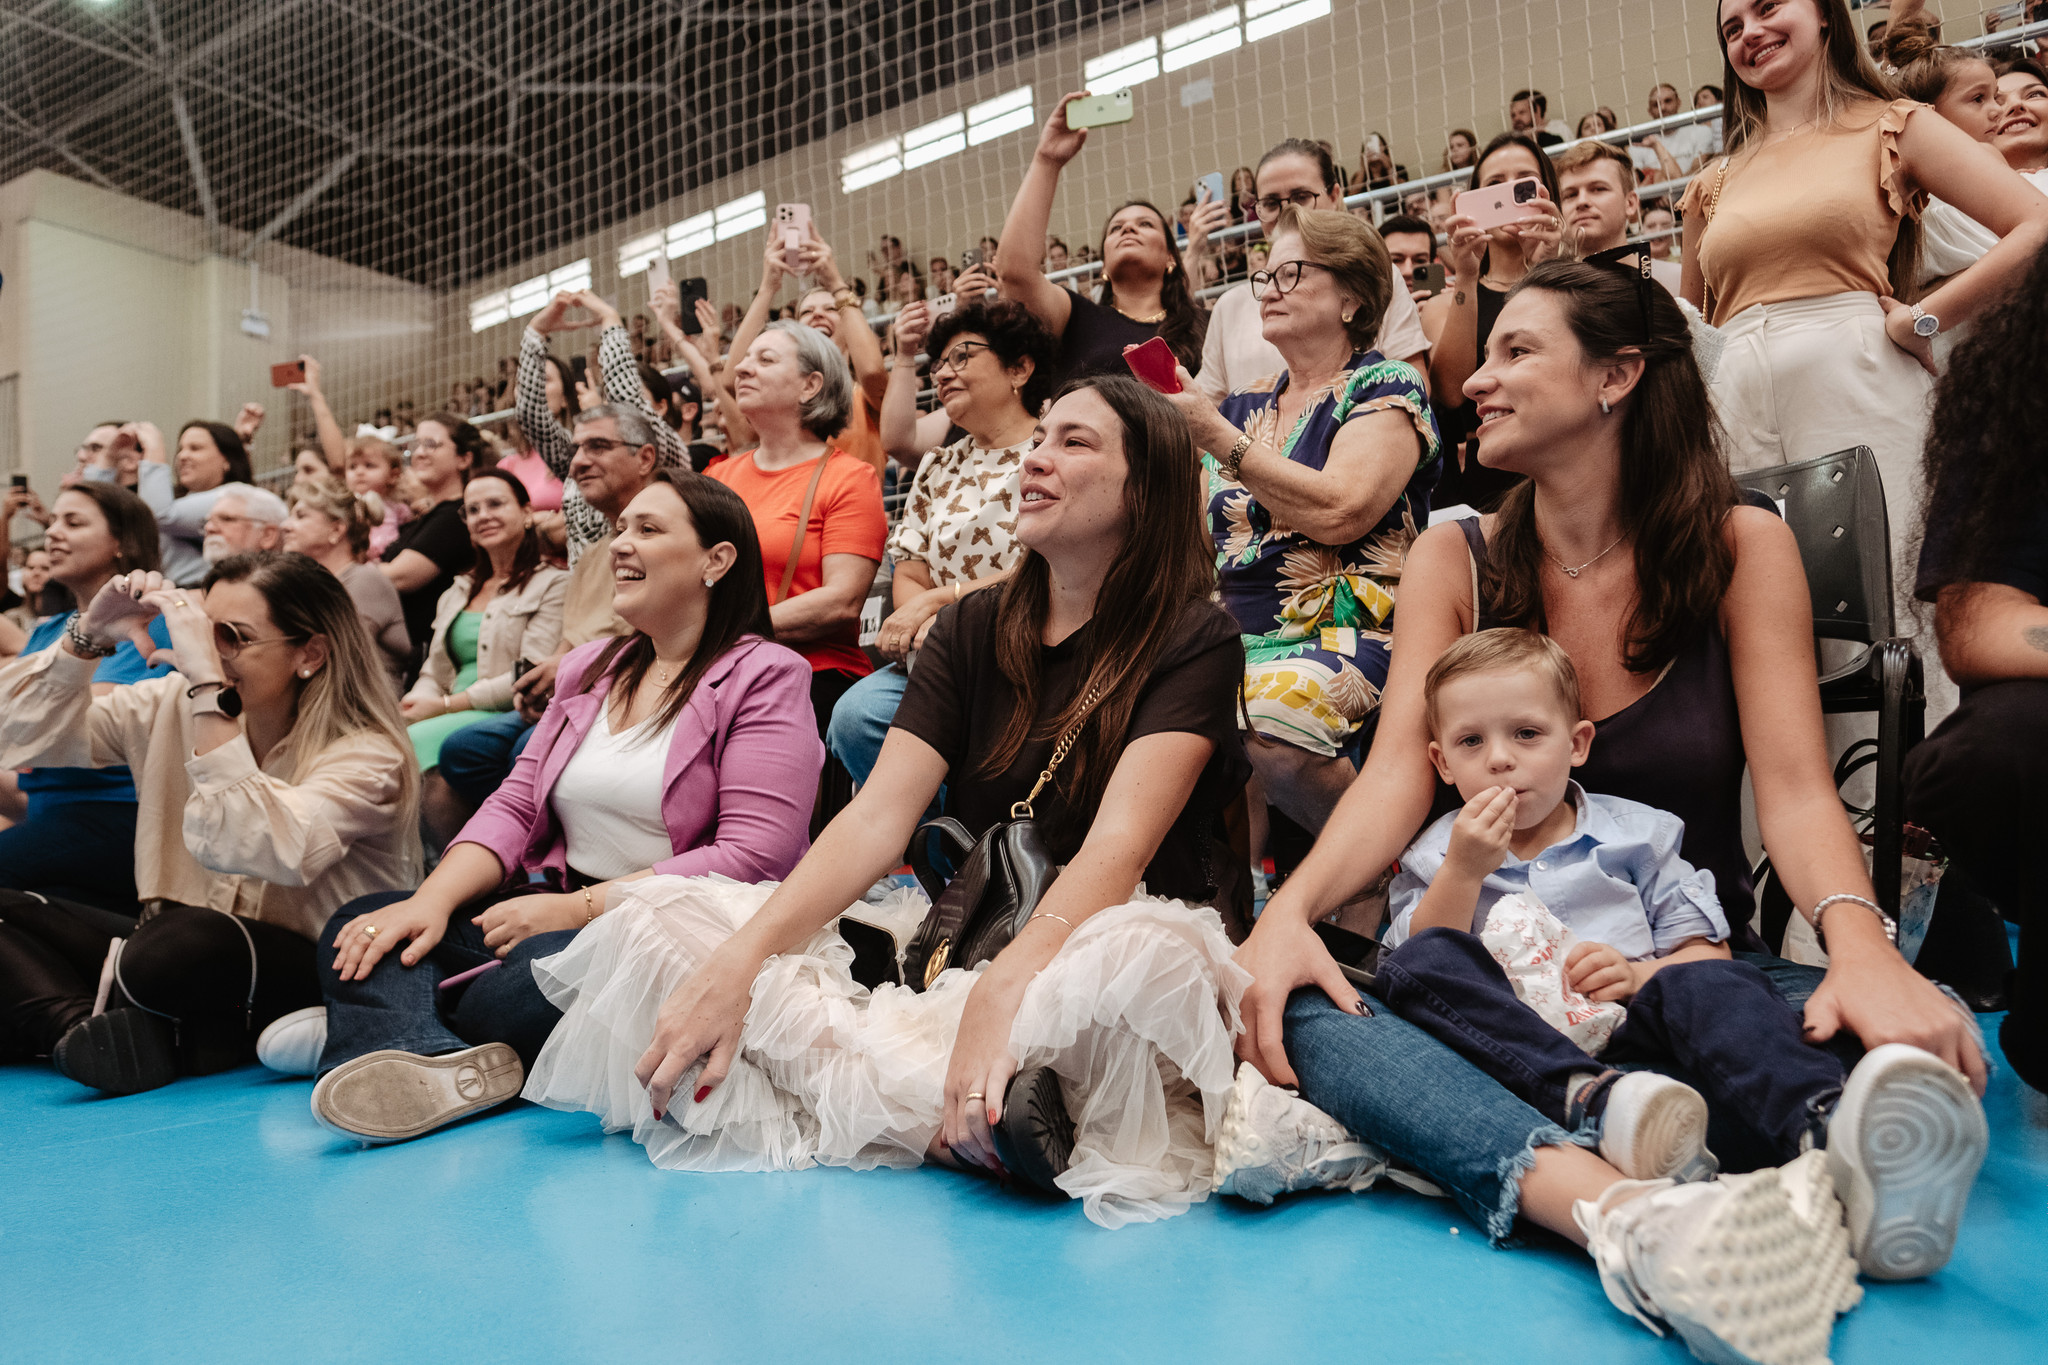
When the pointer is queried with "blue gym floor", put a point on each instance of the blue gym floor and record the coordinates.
(213, 1221)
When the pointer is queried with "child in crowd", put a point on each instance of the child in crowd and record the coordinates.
(1506, 729)
(375, 465)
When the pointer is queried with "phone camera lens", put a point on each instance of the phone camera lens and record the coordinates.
(1525, 192)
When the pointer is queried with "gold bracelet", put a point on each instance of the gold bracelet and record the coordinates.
(1047, 914)
(845, 298)
(957, 585)
(589, 907)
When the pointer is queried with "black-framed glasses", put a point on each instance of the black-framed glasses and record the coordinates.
(228, 640)
(957, 358)
(1618, 258)
(1283, 278)
(1269, 205)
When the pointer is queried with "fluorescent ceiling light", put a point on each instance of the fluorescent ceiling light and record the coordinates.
(1003, 114)
(941, 137)
(739, 215)
(1123, 68)
(870, 165)
(1199, 39)
(1264, 18)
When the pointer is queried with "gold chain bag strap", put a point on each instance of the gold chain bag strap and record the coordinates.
(1000, 880)
(1713, 207)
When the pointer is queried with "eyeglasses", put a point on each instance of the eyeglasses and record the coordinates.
(1269, 206)
(1283, 279)
(229, 641)
(597, 446)
(223, 519)
(957, 358)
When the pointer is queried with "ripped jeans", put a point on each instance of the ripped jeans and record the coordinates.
(1404, 1092)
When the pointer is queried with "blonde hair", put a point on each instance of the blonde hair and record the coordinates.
(404, 487)
(1505, 649)
(357, 514)
(1586, 153)
(1351, 249)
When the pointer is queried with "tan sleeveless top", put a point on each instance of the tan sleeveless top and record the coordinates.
(1814, 215)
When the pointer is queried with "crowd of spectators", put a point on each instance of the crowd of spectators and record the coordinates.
(1420, 545)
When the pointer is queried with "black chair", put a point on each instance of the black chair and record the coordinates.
(1835, 507)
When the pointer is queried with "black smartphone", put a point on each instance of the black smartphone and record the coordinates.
(1430, 277)
(1358, 957)
(687, 293)
(21, 482)
(969, 259)
(520, 670)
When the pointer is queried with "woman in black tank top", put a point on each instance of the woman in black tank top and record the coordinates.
(1627, 532)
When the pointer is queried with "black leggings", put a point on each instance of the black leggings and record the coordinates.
(192, 965)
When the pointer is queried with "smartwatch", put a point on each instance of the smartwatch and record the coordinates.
(219, 700)
(1925, 324)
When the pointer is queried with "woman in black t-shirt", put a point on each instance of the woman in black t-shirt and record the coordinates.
(434, 547)
(776, 1059)
(1145, 289)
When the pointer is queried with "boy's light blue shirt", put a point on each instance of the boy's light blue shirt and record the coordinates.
(1615, 879)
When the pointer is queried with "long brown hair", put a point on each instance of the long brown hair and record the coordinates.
(1165, 562)
(1675, 487)
(532, 552)
(1186, 322)
(1847, 75)
(739, 600)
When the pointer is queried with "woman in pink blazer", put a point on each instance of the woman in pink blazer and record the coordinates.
(686, 748)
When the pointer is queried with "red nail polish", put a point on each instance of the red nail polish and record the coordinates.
(658, 1115)
(702, 1091)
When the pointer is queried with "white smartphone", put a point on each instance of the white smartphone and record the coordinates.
(1213, 183)
(657, 273)
(1096, 111)
(943, 305)
(793, 222)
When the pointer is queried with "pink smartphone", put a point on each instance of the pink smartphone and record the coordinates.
(1154, 363)
(657, 272)
(793, 222)
(1490, 206)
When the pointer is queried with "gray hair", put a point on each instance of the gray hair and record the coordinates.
(635, 427)
(826, 414)
(258, 504)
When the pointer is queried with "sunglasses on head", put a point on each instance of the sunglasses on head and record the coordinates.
(1617, 258)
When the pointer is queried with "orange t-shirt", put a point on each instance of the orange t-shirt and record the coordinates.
(846, 519)
(862, 438)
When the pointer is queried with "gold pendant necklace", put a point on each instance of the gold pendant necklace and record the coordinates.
(1143, 322)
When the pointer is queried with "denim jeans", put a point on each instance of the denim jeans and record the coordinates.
(1719, 1024)
(403, 1008)
(860, 720)
(477, 758)
(81, 851)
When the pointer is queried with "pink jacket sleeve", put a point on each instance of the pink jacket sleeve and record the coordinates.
(768, 767)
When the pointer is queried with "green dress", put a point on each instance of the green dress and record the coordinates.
(427, 734)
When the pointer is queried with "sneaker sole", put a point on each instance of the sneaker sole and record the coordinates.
(392, 1096)
(1914, 1137)
(1238, 1146)
(1760, 1287)
(1036, 1137)
(281, 1046)
(122, 1052)
(1667, 1138)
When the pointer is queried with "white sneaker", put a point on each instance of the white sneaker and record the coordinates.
(1654, 1127)
(293, 1042)
(1273, 1142)
(1729, 1264)
(1904, 1146)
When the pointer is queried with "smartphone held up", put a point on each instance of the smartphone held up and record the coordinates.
(792, 225)
(1492, 206)
(1154, 364)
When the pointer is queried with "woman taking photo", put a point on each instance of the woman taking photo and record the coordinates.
(817, 509)
(332, 526)
(1145, 290)
(209, 455)
(507, 607)
(1104, 634)
(685, 748)
(1317, 480)
(1686, 619)
(275, 785)
(958, 533)
(429, 550)
(1802, 245)
(1486, 264)
(77, 840)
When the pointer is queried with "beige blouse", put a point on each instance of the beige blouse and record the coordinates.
(1813, 215)
(217, 830)
(517, 625)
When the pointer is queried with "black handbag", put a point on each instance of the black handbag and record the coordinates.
(998, 882)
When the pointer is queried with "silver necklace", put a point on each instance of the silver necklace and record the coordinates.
(1570, 572)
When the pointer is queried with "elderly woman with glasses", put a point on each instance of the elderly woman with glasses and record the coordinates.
(992, 368)
(1318, 479)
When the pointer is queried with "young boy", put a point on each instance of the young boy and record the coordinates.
(1506, 730)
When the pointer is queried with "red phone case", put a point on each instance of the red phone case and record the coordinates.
(1154, 363)
(289, 372)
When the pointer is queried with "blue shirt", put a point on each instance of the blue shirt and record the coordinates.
(1615, 879)
(53, 786)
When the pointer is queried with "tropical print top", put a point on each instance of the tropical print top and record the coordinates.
(1291, 596)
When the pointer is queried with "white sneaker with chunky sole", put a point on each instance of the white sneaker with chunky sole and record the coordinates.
(392, 1096)
(1272, 1142)
(292, 1043)
(1904, 1145)
(1731, 1265)
(1654, 1127)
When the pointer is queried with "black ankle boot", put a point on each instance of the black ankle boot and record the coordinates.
(1036, 1137)
(121, 1052)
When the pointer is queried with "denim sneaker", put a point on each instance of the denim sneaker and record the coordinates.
(1273, 1142)
(1904, 1146)
(1732, 1265)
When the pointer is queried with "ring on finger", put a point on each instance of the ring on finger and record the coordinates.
(974, 1095)
(369, 931)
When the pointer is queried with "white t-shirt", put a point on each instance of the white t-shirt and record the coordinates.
(608, 799)
(1237, 353)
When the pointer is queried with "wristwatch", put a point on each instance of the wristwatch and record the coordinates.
(843, 298)
(1925, 324)
(220, 700)
(1235, 458)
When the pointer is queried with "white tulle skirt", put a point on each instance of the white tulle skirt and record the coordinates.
(1136, 1015)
